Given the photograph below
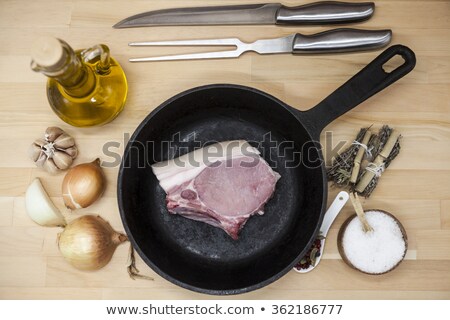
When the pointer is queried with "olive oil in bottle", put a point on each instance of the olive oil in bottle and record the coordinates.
(85, 87)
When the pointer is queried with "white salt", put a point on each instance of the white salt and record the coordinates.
(377, 251)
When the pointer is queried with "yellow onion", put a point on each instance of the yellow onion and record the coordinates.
(83, 185)
(89, 242)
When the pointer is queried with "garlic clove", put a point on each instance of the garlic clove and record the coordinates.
(52, 133)
(64, 141)
(34, 152)
(40, 207)
(41, 159)
(40, 142)
(72, 151)
(50, 166)
(62, 160)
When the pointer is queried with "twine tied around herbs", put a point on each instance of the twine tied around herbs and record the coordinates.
(377, 170)
(367, 149)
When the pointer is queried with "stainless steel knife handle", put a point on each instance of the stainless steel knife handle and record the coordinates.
(341, 40)
(325, 12)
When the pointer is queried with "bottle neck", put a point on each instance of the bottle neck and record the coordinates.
(70, 72)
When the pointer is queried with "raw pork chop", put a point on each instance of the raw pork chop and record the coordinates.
(223, 184)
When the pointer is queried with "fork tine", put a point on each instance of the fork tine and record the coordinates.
(193, 56)
(200, 42)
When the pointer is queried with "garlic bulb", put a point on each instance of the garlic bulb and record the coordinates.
(55, 152)
(83, 185)
(89, 242)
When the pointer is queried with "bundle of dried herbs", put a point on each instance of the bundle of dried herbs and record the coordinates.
(386, 148)
(349, 170)
(340, 171)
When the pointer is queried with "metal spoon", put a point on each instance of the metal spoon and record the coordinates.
(328, 219)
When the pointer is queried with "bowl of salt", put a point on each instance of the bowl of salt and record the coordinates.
(373, 252)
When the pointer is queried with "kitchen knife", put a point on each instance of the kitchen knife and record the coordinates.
(325, 12)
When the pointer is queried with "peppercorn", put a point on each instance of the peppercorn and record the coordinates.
(306, 262)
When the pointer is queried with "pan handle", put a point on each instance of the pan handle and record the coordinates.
(370, 80)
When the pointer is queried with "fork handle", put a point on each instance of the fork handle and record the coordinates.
(325, 12)
(341, 40)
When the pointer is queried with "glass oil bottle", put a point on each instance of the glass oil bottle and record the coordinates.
(85, 87)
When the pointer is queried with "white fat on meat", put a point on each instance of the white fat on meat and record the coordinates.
(222, 184)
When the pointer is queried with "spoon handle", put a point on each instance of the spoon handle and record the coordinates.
(332, 212)
(360, 212)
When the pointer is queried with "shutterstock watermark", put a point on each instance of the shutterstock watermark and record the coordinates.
(277, 153)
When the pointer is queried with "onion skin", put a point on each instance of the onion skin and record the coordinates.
(89, 242)
(83, 185)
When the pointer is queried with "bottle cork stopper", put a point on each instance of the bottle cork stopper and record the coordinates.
(46, 51)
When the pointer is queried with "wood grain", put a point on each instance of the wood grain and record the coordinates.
(415, 188)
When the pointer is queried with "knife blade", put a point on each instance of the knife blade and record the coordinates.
(268, 13)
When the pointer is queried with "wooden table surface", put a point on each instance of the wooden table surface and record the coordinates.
(416, 187)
